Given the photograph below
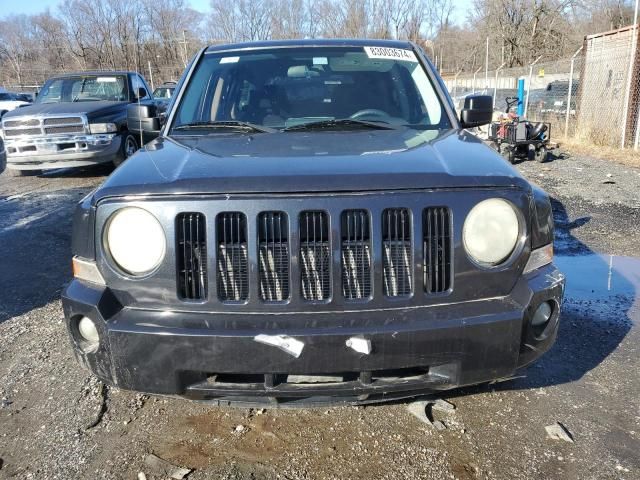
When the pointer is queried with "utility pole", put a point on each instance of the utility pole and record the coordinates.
(151, 75)
(486, 67)
(184, 45)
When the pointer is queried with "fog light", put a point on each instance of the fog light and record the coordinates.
(89, 333)
(541, 318)
(542, 315)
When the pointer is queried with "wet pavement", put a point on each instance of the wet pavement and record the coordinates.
(600, 278)
(56, 421)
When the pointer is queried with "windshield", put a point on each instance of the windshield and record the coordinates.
(162, 92)
(282, 88)
(85, 88)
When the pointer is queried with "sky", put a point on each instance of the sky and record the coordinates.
(36, 6)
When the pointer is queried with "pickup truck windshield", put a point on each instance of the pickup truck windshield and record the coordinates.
(285, 88)
(85, 88)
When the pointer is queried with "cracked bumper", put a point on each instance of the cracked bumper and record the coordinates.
(413, 351)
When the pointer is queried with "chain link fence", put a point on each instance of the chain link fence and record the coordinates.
(592, 97)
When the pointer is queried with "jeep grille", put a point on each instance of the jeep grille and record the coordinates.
(358, 235)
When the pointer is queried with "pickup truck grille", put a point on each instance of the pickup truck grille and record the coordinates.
(38, 126)
(311, 273)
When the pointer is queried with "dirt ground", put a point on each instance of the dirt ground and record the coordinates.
(57, 421)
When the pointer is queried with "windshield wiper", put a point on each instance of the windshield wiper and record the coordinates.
(340, 122)
(228, 124)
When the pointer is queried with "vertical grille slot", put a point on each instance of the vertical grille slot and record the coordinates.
(397, 254)
(191, 238)
(437, 249)
(232, 263)
(356, 254)
(273, 256)
(315, 256)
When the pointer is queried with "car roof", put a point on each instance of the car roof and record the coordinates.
(94, 72)
(310, 43)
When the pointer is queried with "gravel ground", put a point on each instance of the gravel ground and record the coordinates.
(57, 421)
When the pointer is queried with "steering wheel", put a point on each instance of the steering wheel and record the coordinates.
(369, 112)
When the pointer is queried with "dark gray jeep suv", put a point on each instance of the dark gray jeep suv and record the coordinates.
(312, 224)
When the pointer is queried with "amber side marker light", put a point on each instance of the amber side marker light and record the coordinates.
(86, 270)
(539, 258)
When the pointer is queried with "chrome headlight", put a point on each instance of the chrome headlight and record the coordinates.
(491, 231)
(135, 240)
(103, 128)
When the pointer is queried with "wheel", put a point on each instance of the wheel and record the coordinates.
(129, 147)
(508, 153)
(542, 155)
(531, 152)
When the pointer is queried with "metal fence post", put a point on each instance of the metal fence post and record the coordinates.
(627, 94)
(566, 122)
(495, 85)
(474, 78)
(455, 83)
(637, 141)
(526, 103)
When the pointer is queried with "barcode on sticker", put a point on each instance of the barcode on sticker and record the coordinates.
(391, 53)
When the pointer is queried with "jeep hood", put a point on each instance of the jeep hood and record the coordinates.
(307, 162)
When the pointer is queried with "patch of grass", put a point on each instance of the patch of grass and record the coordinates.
(628, 156)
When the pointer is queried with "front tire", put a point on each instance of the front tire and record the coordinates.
(128, 147)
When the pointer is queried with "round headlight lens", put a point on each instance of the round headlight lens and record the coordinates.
(491, 231)
(135, 240)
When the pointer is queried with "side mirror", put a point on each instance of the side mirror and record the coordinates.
(144, 119)
(142, 93)
(477, 111)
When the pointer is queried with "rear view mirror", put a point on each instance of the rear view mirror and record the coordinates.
(144, 118)
(477, 111)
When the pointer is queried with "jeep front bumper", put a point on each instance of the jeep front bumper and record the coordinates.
(413, 351)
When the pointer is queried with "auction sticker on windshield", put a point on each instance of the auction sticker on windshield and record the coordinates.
(391, 53)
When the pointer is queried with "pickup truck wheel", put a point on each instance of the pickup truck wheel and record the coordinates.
(129, 147)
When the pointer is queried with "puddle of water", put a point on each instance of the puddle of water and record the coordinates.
(600, 277)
